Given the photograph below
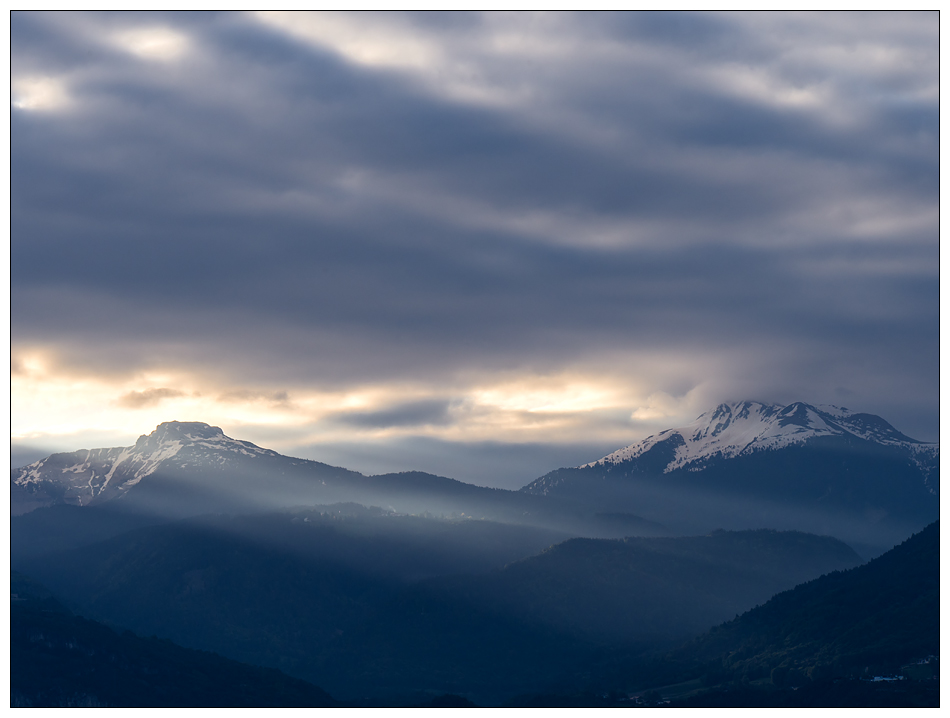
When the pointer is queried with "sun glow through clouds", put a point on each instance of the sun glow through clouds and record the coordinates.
(39, 93)
(153, 43)
(518, 408)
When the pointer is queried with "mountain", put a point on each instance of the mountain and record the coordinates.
(61, 660)
(189, 468)
(822, 469)
(747, 427)
(92, 477)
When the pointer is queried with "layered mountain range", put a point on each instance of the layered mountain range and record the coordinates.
(824, 469)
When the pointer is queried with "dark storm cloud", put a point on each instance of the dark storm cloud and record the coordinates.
(271, 209)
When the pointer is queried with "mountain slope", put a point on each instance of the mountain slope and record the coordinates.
(745, 428)
(822, 469)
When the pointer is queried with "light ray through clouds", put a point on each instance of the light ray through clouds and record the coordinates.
(422, 236)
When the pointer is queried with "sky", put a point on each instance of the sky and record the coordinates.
(481, 245)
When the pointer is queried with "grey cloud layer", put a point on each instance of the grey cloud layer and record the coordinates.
(688, 184)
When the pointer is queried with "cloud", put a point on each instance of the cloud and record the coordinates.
(239, 396)
(666, 209)
(416, 413)
(39, 93)
(153, 43)
(147, 397)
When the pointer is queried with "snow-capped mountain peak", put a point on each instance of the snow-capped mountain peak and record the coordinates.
(93, 475)
(740, 428)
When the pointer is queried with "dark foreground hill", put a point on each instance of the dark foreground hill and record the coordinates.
(874, 618)
(61, 660)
